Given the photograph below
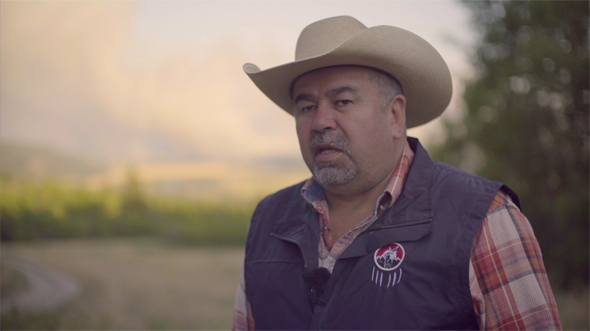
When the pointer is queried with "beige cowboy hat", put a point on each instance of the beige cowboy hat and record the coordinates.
(343, 40)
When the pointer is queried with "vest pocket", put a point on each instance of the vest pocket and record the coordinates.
(372, 240)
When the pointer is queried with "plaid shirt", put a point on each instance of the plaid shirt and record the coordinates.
(507, 278)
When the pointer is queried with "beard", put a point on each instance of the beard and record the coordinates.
(333, 173)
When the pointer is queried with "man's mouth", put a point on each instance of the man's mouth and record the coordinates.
(319, 149)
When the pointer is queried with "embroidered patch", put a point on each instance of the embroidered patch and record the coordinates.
(390, 257)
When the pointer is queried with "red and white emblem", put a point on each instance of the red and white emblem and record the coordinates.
(390, 257)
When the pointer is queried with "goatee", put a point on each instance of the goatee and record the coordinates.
(338, 172)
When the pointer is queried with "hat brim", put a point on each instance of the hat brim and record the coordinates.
(420, 69)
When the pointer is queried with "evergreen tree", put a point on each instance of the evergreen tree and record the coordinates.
(133, 197)
(526, 121)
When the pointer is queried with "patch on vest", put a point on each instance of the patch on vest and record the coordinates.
(387, 260)
(390, 257)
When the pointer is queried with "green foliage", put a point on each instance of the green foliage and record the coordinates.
(526, 122)
(32, 210)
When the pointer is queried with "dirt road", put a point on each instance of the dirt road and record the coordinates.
(47, 289)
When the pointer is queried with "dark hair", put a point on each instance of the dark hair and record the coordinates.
(389, 85)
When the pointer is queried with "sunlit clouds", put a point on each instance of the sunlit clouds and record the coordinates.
(79, 73)
(159, 82)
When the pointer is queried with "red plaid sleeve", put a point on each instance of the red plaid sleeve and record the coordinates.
(508, 281)
(243, 319)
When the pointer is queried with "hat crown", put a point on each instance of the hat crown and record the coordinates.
(343, 40)
(324, 36)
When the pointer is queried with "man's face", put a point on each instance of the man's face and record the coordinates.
(345, 134)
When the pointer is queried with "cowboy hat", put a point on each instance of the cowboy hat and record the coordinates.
(343, 40)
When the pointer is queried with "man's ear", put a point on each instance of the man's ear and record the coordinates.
(397, 107)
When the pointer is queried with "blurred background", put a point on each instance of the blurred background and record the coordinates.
(133, 148)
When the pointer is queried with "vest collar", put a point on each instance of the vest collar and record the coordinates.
(300, 226)
(417, 192)
(410, 217)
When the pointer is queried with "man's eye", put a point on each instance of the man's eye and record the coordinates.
(341, 103)
(307, 109)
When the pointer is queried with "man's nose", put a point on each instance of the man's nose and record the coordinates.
(324, 118)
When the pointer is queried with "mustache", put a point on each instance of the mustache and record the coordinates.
(332, 138)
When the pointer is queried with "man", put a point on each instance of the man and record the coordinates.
(382, 237)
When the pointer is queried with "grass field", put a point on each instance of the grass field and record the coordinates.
(149, 284)
(135, 284)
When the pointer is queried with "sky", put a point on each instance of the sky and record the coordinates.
(162, 81)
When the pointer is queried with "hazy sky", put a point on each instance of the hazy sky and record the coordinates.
(162, 80)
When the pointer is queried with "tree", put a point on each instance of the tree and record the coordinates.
(133, 197)
(526, 121)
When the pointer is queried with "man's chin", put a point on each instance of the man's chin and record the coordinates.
(332, 176)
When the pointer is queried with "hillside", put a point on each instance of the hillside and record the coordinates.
(37, 162)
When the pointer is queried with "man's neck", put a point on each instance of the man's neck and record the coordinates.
(347, 211)
(361, 201)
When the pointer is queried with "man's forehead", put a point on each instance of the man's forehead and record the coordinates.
(335, 74)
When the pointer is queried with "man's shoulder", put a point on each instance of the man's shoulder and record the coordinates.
(451, 179)
(445, 174)
(457, 179)
(450, 172)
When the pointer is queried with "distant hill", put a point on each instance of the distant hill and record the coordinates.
(35, 161)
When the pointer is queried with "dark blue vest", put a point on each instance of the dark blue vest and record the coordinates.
(434, 220)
